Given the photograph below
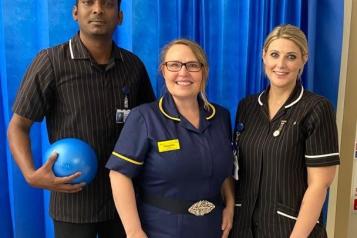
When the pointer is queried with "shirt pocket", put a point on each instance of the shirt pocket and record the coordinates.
(286, 212)
(287, 217)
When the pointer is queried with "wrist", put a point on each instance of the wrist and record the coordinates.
(135, 232)
(294, 235)
(28, 175)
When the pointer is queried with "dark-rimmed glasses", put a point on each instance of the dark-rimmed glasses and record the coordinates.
(175, 66)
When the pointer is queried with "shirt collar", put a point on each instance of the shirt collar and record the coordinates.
(168, 108)
(294, 97)
(79, 51)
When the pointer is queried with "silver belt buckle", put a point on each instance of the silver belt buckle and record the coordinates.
(201, 208)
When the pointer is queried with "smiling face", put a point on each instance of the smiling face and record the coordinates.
(283, 61)
(183, 84)
(97, 17)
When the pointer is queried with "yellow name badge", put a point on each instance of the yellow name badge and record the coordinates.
(168, 145)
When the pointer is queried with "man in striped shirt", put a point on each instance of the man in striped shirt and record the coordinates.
(84, 88)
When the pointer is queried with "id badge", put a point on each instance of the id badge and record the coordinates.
(121, 115)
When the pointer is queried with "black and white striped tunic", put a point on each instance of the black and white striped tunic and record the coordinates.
(273, 160)
(79, 99)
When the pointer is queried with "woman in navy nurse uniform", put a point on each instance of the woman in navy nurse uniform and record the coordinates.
(287, 147)
(177, 151)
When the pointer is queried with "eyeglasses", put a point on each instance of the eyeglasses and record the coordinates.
(191, 66)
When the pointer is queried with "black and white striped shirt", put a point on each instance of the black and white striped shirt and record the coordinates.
(79, 99)
(273, 160)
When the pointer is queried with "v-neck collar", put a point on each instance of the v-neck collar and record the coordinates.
(168, 108)
(293, 99)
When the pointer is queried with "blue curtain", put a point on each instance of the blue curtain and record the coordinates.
(231, 31)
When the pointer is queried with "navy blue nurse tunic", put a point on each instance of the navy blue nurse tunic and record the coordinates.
(170, 158)
(273, 159)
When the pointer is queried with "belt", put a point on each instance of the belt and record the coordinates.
(197, 208)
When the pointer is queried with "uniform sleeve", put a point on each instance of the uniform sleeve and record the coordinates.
(36, 92)
(131, 147)
(322, 140)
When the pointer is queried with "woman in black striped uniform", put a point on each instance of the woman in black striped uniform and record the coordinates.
(286, 146)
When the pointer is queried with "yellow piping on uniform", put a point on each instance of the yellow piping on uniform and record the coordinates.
(178, 119)
(163, 112)
(213, 111)
(127, 159)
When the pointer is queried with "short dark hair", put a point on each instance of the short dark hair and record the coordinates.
(119, 2)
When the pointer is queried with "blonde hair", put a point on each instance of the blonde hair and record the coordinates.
(292, 33)
(201, 57)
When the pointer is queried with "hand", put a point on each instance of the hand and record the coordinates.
(44, 177)
(227, 221)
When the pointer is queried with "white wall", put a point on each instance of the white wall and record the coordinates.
(342, 221)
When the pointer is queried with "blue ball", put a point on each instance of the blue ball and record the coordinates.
(74, 155)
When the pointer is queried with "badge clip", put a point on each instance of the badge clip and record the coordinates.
(125, 91)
